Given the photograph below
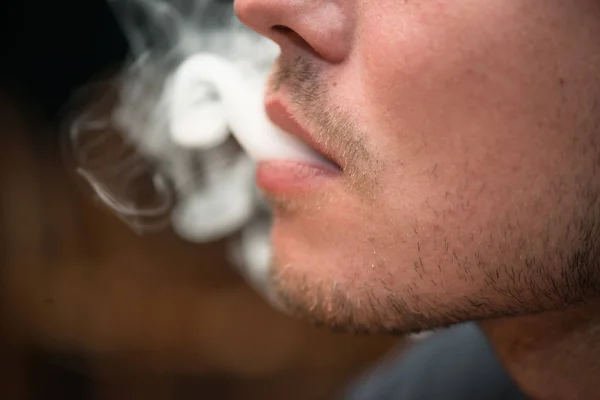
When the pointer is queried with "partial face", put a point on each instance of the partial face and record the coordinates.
(468, 134)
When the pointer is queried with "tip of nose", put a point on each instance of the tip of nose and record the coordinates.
(319, 27)
(248, 13)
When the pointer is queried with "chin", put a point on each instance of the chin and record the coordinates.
(331, 275)
(334, 283)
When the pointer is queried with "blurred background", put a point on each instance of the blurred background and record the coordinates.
(90, 310)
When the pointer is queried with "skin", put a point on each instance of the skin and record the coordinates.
(468, 133)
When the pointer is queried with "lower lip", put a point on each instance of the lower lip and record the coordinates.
(292, 177)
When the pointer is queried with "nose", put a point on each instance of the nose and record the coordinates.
(323, 26)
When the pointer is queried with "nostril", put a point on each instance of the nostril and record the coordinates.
(282, 29)
(290, 35)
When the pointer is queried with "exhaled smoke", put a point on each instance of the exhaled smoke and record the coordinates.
(171, 140)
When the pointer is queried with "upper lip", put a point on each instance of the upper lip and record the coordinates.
(279, 114)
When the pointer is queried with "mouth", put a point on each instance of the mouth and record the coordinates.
(285, 176)
(280, 115)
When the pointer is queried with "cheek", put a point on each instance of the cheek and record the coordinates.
(470, 111)
(474, 75)
(471, 95)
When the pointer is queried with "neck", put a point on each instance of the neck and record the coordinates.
(553, 355)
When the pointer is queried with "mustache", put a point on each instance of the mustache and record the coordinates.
(302, 77)
(331, 125)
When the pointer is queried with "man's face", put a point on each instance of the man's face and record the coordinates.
(468, 132)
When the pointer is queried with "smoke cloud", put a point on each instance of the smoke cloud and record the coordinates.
(158, 152)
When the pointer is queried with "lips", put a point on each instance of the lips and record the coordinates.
(281, 177)
(279, 114)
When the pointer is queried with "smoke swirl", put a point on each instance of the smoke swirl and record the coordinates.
(142, 164)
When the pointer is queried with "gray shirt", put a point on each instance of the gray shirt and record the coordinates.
(457, 363)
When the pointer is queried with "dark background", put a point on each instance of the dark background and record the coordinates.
(49, 48)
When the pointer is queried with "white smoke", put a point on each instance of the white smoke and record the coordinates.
(173, 138)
